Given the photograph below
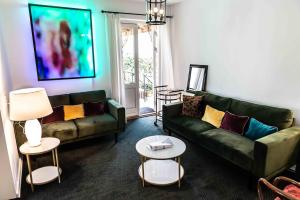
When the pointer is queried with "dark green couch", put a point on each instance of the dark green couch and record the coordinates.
(264, 157)
(111, 122)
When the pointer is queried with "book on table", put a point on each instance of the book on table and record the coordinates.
(159, 145)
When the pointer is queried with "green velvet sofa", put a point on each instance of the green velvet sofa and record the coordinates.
(265, 157)
(111, 122)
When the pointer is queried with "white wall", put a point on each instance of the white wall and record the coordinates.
(9, 157)
(252, 48)
(18, 46)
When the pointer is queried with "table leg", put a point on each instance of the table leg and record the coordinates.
(57, 164)
(30, 172)
(179, 181)
(53, 158)
(143, 171)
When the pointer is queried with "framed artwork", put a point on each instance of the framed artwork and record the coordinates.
(63, 42)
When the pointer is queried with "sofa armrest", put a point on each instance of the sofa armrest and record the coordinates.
(172, 109)
(276, 152)
(118, 111)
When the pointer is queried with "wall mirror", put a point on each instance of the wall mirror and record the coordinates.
(197, 78)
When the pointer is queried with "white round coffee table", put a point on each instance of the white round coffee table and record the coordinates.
(158, 167)
(46, 174)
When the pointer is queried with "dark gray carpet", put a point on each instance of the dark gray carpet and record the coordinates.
(98, 169)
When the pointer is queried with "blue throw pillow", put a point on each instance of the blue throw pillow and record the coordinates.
(258, 130)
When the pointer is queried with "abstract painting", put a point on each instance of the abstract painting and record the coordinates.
(63, 42)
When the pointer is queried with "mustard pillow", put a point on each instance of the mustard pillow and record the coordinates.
(213, 116)
(73, 112)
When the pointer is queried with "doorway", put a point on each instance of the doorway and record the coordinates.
(139, 61)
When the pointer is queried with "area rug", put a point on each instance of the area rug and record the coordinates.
(100, 169)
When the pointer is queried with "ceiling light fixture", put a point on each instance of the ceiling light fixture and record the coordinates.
(156, 12)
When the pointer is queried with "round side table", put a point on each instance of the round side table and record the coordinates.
(46, 174)
(158, 167)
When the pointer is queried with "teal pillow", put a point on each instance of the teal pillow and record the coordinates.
(258, 130)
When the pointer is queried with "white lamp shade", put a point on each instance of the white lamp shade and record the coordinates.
(29, 104)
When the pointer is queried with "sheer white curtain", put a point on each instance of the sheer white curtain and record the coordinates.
(166, 73)
(115, 53)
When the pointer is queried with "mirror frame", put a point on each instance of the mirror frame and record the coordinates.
(205, 67)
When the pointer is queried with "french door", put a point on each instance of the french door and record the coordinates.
(130, 67)
(139, 53)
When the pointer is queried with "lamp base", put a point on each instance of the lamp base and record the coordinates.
(33, 132)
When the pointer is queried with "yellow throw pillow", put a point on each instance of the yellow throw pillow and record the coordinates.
(213, 116)
(73, 112)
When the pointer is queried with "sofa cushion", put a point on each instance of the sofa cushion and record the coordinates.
(234, 123)
(218, 102)
(56, 116)
(84, 97)
(258, 129)
(213, 116)
(99, 124)
(61, 130)
(279, 117)
(91, 109)
(73, 112)
(232, 147)
(59, 100)
(188, 126)
(191, 105)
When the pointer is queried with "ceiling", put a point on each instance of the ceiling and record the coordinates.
(168, 1)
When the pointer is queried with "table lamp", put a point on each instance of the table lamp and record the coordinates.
(28, 105)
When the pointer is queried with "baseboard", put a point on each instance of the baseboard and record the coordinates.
(19, 178)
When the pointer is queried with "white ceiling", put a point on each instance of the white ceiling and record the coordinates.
(168, 1)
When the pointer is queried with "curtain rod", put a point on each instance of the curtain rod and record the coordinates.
(127, 13)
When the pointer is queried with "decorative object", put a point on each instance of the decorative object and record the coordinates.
(160, 145)
(197, 78)
(191, 105)
(157, 167)
(73, 112)
(258, 129)
(282, 188)
(45, 174)
(63, 42)
(213, 116)
(156, 12)
(29, 105)
(234, 123)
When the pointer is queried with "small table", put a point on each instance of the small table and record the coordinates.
(158, 167)
(46, 174)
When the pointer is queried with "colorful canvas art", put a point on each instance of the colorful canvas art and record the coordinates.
(63, 42)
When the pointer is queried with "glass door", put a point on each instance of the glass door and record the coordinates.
(146, 40)
(130, 67)
(139, 55)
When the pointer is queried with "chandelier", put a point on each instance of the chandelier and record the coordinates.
(156, 12)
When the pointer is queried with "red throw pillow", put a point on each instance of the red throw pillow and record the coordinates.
(56, 116)
(234, 123)
(191, 105)
(91, 109)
